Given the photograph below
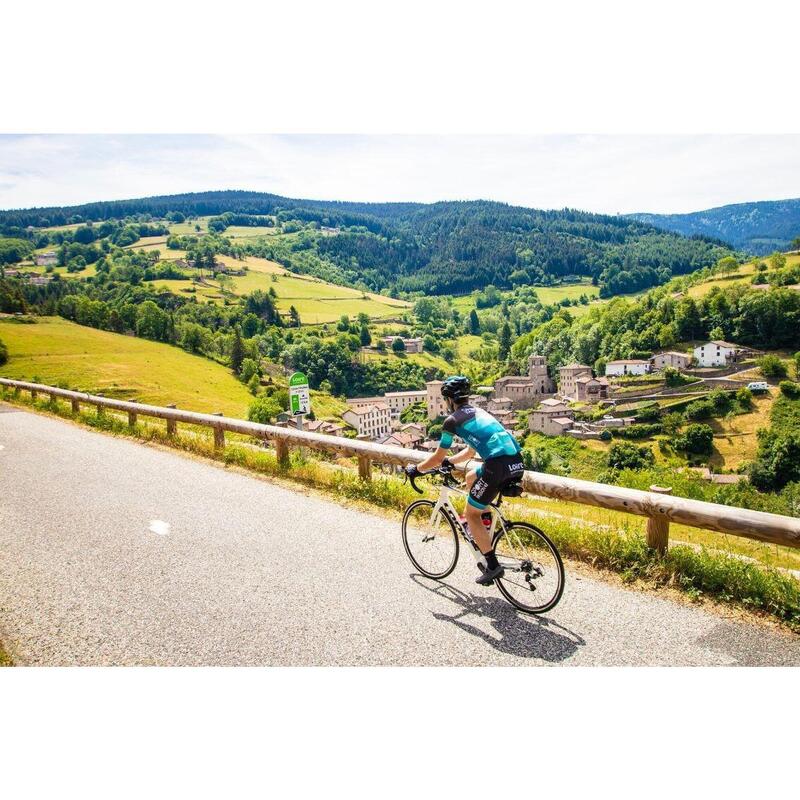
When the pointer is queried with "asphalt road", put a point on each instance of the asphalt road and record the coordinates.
(112, 552)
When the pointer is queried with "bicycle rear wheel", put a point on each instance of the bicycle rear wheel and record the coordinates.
(534, 573)
(431, 540)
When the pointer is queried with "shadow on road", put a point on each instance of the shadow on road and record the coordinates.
(528, 637)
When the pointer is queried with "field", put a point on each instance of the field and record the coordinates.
(743, 275)
(547, 296)
(56, 351)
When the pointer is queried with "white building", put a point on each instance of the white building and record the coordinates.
(627, 366)
(397, 401)
(373, 420)
(715, 353)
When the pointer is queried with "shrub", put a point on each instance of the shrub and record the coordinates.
(671, 423)
(537, 459)
(264, 410)
(649, 414)
(605, 436)
(672, 377)
(771, 366)
(254, 383)
(637, 431)
(700, 409)
(624, 455)
(788, 388)
(3, 352)
(778, 461)
(248, 370)
(744, 397)
(697, 439)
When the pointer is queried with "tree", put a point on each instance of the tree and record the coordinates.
(365, 337)
(505, 340)
(474, 323)
(248, 369)
(237, 352)
(716, 333)
(771, 366)
(151, 321)
(294, 317)
(3, 352)
(727, 265)
(697, 439)
(398, 346)
(777, 260)
(625, 455)
(264, 410)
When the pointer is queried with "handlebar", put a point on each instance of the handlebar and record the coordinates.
(445, 471)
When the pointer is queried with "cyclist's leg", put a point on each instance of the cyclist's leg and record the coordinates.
(476, 505)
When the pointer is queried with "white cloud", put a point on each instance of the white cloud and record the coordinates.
(598, 173)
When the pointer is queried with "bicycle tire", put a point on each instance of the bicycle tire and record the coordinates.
(451, 528)
(504, 584)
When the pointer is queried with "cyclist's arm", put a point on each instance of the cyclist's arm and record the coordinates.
(433, 460)
(463, 457)
(445, 443)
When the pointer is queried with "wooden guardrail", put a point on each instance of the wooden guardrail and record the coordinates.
(660, 509)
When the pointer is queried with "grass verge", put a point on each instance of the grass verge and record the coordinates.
(698, 571)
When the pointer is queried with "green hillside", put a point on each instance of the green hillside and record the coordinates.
(55, 351)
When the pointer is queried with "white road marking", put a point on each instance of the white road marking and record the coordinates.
(159, 526)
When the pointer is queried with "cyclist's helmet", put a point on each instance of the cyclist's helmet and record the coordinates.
(456, 388)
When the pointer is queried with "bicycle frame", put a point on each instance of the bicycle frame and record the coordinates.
(444, 504)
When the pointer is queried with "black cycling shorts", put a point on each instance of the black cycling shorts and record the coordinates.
(492, 476)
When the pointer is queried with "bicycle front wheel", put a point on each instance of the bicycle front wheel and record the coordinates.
(430, 539)
(534, 573)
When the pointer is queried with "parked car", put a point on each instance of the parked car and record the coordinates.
(758, 386)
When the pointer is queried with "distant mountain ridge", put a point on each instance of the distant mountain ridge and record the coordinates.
(759, 228)
(449, 247)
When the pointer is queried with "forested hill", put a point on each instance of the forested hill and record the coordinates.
(759, 228)
(446, 247)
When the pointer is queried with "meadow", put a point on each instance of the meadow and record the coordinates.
(56, 351)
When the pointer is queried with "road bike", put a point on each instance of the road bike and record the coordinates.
(534, 572)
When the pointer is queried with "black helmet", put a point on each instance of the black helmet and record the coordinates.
(456, 388)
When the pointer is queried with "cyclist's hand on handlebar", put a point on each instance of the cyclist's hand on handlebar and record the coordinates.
(412, 471)
(447, 465)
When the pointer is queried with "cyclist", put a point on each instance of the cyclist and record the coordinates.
(502, 462)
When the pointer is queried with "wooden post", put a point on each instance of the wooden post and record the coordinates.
(132, 415)
(99, 406)
(282, 452)
(172, 424)
(365, 468)
(76, 405)
(53, 399)
(219, 434)
(658, 526)
(17, 391)
(33, 394)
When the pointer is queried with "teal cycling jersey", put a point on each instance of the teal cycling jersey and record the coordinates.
(481, 431)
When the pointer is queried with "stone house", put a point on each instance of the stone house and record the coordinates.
(567, 377)
(672, 358)
(590, 390)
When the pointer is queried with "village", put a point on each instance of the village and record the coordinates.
(578, 403)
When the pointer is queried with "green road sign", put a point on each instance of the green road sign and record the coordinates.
(299, 397)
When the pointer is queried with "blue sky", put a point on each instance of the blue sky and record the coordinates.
(609, 174)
